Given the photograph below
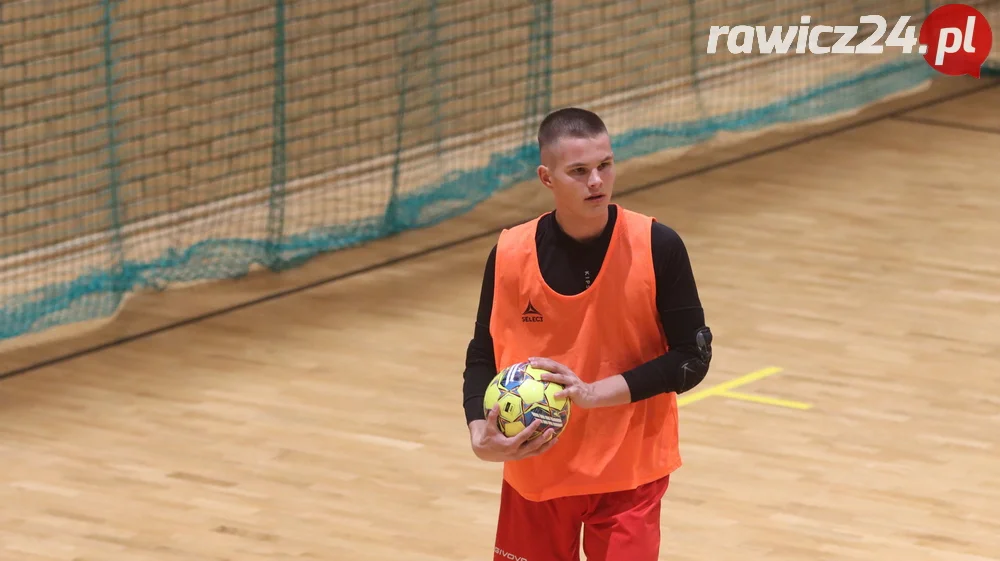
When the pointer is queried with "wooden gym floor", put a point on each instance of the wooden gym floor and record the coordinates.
(852, 412)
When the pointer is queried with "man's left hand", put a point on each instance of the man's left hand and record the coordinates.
(578, 391)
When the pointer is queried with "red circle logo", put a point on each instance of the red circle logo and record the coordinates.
(956, 39)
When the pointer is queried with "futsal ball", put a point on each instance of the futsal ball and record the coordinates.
(523, 397)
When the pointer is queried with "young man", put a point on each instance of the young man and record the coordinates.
(615, 316)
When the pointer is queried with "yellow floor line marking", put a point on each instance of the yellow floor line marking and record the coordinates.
(767, 400)
(726, 386)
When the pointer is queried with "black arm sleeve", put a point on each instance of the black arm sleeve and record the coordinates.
(480, 361)
(685, 365)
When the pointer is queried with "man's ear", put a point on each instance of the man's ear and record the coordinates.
(544, 176)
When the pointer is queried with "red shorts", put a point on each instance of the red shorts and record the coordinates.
(621, 526)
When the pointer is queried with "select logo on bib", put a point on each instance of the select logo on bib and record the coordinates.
(531, 315)
(956, 39)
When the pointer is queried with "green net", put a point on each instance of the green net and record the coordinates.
(148, 144)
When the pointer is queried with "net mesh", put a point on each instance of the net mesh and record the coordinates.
(148, 144)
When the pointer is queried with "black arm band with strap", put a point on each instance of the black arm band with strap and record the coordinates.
(678, 370)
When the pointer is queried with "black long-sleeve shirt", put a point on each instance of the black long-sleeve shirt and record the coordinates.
(569, 267)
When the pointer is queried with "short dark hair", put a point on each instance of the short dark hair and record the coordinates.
(572, 122)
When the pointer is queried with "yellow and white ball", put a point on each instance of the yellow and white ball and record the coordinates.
(523, 397)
